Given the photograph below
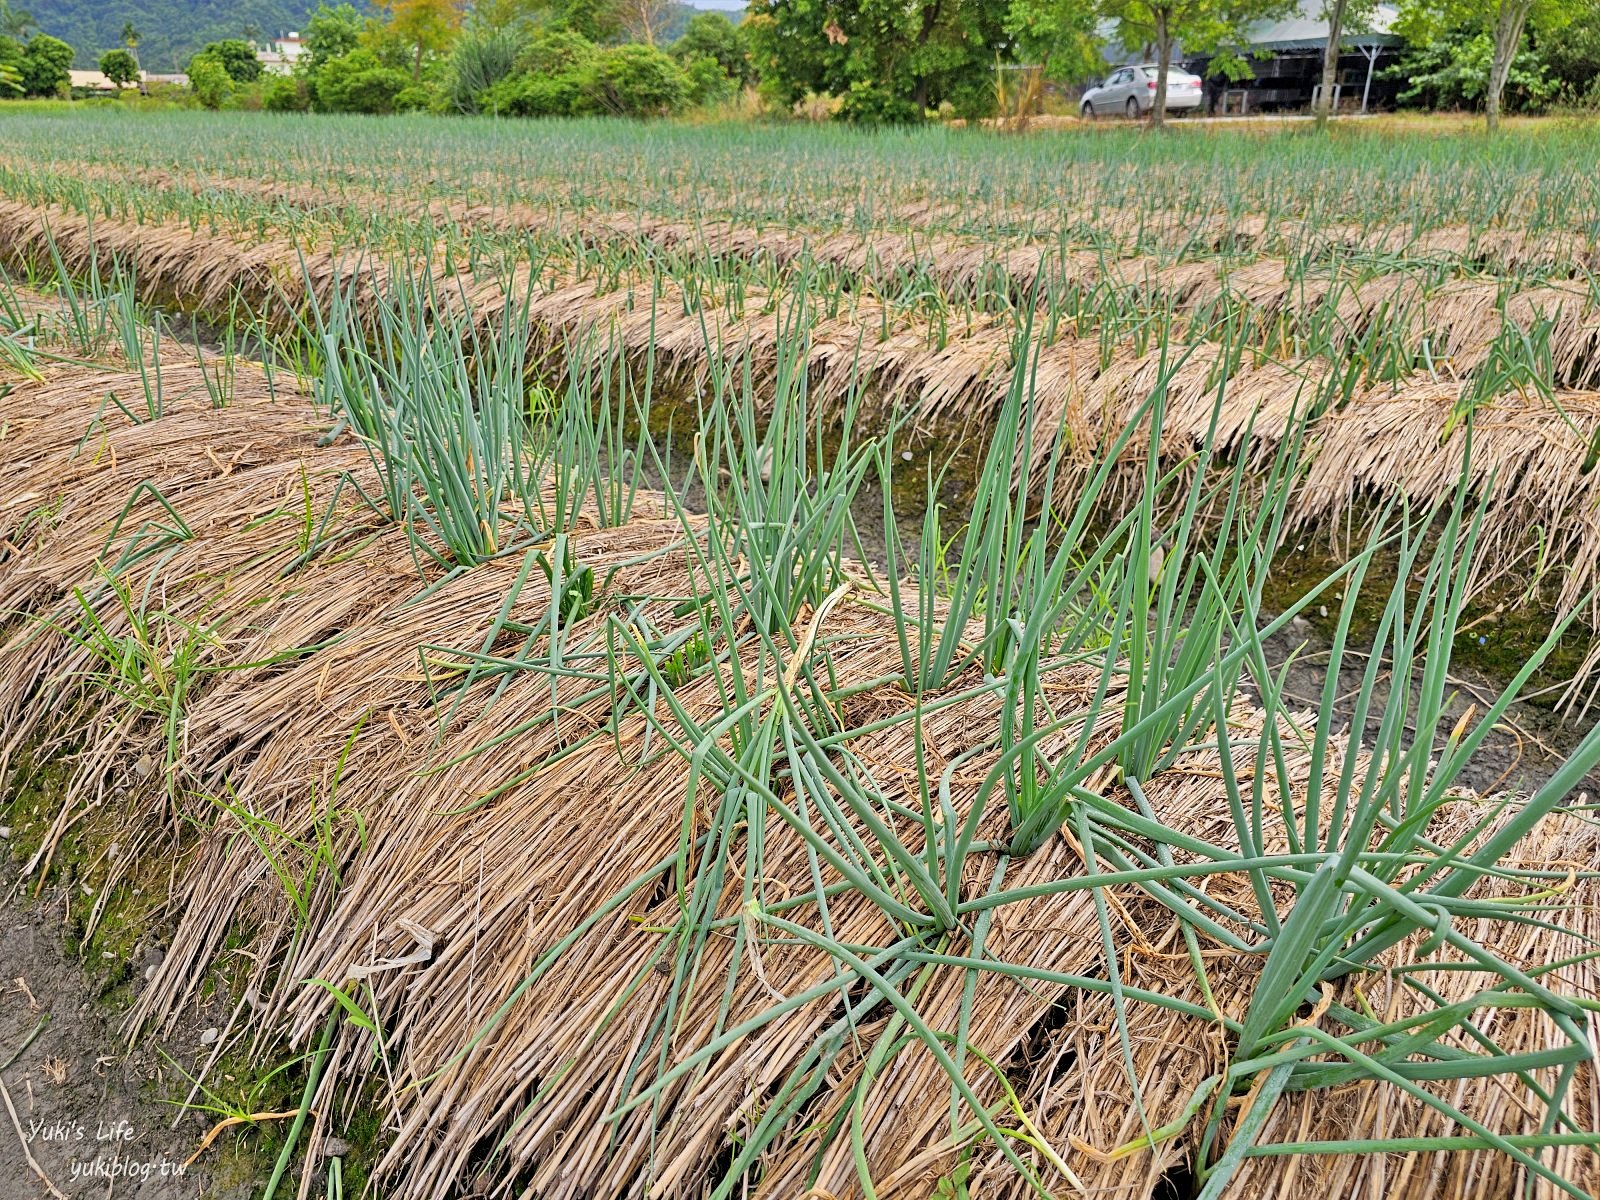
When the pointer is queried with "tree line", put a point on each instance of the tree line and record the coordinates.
(867, 61)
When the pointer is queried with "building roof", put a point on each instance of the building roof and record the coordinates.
(1308, 30)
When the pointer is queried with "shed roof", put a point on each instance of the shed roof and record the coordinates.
(1308, 30)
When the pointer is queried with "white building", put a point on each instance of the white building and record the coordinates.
(279, 56)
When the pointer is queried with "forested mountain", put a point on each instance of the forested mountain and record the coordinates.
(170, 30)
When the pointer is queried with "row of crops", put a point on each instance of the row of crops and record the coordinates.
(541, 634)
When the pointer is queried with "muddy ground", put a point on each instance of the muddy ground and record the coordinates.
(95, 1116)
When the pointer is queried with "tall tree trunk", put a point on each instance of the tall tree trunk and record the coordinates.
(1158, 111)
(1330, 60)
(416, 66)
(1507, 37)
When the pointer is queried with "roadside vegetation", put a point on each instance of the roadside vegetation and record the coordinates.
(858, 62)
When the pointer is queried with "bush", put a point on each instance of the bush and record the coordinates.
(536, 96)
(1453, 72)
(426, 96)
(708, 82)
(871, 104)
(358, 83)
(157, 95)
(285, 93)
(1572, 56)
(636, 81)
(556, 52)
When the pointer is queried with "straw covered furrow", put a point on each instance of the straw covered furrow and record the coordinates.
(499, 814)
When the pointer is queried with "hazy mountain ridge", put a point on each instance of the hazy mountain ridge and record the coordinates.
(170, 30)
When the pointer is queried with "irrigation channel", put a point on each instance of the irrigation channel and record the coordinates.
(595, 798)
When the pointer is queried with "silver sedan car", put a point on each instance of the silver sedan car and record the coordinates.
(1131, 91)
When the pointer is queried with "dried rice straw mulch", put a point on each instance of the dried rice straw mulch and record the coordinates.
(441, 903)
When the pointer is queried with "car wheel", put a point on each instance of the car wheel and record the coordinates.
(1133, 108)
(1086, 111)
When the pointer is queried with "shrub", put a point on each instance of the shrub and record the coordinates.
(478, 62)
(536, 96)
(358, 83)
(250, 97)
(708, 82)
(1453, 72)
(426, 96)
(556, 52)
(872, 104)
(285, 93)
(636, 81)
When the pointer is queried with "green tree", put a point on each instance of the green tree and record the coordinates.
(1057, 36)
(120, 67)
(131, 38)
(1504, 21)
(1201, 25)
(708, 83)
(890, 60)
(11, 85)
(498, 16)
(1571, 54)
(331, 32)
(428, 26)
(597, 20)
(1453, 72)
(556, 52)
(209, 80)
(712, 35)
(238, 59)
(359, 82)
(46, 65)
(15, 22)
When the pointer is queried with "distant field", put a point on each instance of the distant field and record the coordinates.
(749, 659)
